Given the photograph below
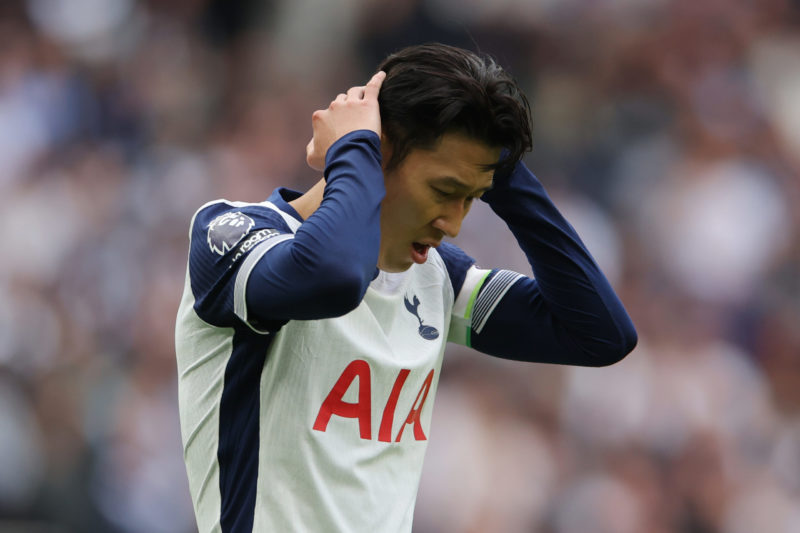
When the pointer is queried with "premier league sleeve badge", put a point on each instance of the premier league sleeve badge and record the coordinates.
(227, 230)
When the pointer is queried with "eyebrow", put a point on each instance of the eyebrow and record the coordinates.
(458, 184)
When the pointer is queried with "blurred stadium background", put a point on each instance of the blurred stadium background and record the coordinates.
(668, 131)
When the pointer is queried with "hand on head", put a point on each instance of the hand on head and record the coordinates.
(356, 110)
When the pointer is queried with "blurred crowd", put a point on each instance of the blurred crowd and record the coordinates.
(668, 131)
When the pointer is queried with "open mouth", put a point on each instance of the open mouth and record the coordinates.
(419, 252)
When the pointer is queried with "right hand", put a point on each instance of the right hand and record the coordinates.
(356, 110)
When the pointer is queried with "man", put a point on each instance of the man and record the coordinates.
(312, 326)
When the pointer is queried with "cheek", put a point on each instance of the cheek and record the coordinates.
(421, 208)
(402, 214)
(396, 212)
(406, 206)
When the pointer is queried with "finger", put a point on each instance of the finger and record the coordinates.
(312, 159)
(356, 93)
(373, 86)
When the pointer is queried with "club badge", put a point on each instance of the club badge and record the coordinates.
(426, 332)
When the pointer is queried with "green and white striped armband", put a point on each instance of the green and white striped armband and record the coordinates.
(481, 292)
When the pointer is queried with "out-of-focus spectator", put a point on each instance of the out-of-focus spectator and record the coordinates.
(667, 130)
(22, 468)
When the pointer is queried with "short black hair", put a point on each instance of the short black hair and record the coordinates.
(433, 89)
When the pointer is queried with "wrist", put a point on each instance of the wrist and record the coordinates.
(359, 139)
(501, 181)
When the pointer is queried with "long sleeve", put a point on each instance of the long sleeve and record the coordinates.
(569, 313)
(326, 268)
(260, 265)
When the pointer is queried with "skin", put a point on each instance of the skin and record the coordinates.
(427, 195)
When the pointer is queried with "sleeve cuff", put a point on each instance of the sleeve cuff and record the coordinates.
(335, 149)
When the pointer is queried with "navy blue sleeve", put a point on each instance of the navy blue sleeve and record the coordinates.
(321, 269)
(222, 236)
(568, 314)
(324, 271)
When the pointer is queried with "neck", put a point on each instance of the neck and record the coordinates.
(309, 202)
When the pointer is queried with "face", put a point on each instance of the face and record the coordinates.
(428, 195)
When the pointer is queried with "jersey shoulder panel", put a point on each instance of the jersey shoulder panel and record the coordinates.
(222, 235)
(457, 263)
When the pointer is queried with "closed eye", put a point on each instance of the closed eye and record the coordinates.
(450, 196)
(442, 193)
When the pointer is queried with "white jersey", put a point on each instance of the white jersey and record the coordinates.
(321, 425)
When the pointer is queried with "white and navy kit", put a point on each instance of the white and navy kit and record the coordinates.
(307, 377)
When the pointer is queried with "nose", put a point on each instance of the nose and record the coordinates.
(449, 221)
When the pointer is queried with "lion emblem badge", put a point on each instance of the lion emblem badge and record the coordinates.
(227, 230)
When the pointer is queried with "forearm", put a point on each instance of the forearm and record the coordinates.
(328, 265)
(570, 294)
(345, 228)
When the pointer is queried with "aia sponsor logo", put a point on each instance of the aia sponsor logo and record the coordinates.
(334, 404)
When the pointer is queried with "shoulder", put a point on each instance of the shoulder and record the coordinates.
(223, 217)
(454, 261)
(223, 237)
(221, 226)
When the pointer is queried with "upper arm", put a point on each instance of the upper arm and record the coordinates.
(503, 313)
(476, 292)
(523, 326)
(227, 239)
(477, 300)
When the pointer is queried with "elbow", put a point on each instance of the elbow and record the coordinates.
(339, 288)
(332, 285)
(343, 298)
(614, 352)
(630, 338)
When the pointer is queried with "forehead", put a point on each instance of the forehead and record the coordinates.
(455, 156)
